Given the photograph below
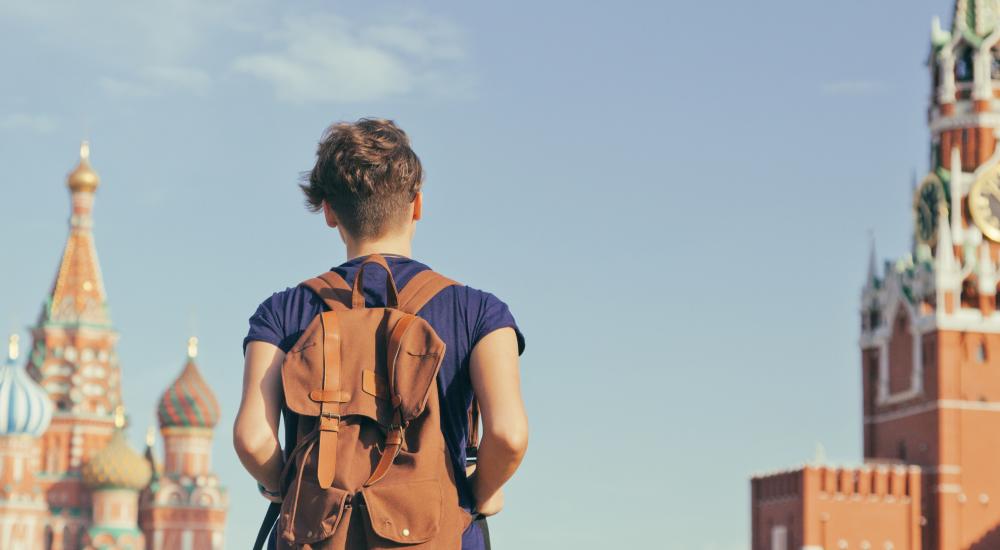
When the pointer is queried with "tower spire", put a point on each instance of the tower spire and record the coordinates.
(872, 261)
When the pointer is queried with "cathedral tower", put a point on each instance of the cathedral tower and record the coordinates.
(73, 358)
(186, 506)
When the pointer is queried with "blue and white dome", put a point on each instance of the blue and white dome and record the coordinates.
(25, 407)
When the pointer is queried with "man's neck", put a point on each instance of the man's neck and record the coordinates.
(398, 245)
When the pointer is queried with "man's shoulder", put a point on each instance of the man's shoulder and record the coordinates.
(281, 298)
(290, 301)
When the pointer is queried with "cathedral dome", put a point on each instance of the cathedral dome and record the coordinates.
(189, 402)
(117, 465)
(25, 407)
(83, 177)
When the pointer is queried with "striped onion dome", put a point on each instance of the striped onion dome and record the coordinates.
(117, 466)
(189, 402)
(25, 407)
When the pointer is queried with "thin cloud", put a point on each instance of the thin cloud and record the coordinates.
(154, 81)
(31, 122)
(854, 87)
(194, 47)
(333, 59)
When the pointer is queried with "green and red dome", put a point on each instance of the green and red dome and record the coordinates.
(189, 402)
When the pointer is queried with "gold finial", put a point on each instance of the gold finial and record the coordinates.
(120, 416)
(12, 347)
(192, 347)
(83, 178)
(150, 436)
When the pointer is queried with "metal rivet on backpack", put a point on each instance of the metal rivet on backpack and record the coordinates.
(406, 532)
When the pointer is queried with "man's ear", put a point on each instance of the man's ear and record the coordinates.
(330, 215)
(418, 203)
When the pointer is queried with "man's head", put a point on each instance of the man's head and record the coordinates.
(366, 179)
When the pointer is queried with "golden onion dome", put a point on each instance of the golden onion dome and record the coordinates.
(83, 177)
(117, 465)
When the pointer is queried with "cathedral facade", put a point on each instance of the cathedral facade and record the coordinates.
(929, 344)
(69, 480)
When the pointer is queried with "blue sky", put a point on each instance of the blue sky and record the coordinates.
(675, 198)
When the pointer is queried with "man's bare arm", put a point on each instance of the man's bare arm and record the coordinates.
(255, 432)
(496, 381)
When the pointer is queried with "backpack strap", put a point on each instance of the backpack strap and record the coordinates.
(472, 445)
(418, 291)
(421, 288)
(329, 416)
(357, 293)
(332, 289)
(270, 517)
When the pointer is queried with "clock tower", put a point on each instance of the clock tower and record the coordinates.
(929, 343)
(930, 327)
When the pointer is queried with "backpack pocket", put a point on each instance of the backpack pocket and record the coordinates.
(310, 513)
(403, 514)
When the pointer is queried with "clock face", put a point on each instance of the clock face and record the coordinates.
(927, 204)
(984, 204)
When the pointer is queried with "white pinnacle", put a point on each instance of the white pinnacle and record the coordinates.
(945, 248)
(872, 274)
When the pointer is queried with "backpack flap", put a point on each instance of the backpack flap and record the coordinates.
(303, 369)
(415, 366)
(302, 376)
(406, 513)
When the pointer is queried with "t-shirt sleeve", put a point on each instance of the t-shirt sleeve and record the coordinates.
(494, 315)
(266, 323)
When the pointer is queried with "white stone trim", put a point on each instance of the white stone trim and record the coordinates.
(964, 120)
(944, 404)
(883, 396)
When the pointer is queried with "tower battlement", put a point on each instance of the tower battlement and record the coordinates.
(817, 506)
(874, 482)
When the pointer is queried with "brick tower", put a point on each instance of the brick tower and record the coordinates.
(115, 475)
(185, 508)
(73, 357)
(930, 336)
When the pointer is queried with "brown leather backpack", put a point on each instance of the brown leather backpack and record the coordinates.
(368, 466)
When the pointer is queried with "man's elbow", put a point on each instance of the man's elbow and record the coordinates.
(248, 441)
(512, 437)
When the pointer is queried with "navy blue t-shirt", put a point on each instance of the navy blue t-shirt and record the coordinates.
(460, 315)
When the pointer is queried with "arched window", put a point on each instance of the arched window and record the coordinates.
(963, 65)
(874, 318)
(970, 296)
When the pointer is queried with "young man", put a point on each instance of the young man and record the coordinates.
(367, 183)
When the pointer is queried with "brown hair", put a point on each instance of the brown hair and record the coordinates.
(367, 173)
